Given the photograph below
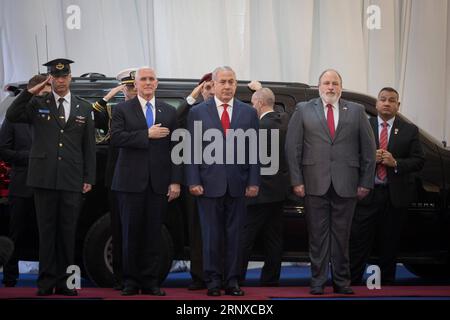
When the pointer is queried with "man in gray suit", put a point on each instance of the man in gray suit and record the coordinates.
(331, 151)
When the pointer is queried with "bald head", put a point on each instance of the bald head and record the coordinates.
(263, 101)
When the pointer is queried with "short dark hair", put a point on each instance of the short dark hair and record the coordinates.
(389, 89)
(35, 80)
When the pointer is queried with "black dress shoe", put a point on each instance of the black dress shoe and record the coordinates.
(66, 292)
(44, 292)
(9, 284)
(197, 285)
(234, 291)
(154, 291)
(129, 291)
(343, 290)
(316, 291)
(214, 292)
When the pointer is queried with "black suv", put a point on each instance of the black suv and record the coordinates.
(425, 247)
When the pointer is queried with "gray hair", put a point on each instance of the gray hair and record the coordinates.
(138, 71)
(330, 70)
(266, 96)
(221, 69)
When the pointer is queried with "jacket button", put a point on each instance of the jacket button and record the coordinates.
(61, 145)
(62, 131)
(59, 158)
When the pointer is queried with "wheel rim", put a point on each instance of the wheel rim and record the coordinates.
(107, 254)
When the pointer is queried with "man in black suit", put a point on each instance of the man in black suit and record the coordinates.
(15, 145)
(61, 168)
(264, 213)
(399, 155)
(103, 117)
(145, 180)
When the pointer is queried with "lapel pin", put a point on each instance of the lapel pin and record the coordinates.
(395, 131)
(159, 110)
(344, 108)
(48, 101)
(77, 106)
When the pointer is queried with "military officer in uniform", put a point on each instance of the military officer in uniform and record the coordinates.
(61, 168)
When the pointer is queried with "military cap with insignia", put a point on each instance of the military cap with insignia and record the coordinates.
(127, 76)
(58, 67)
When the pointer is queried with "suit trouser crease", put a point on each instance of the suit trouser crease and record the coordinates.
(57, 213)
(222, 221)
(329, 223)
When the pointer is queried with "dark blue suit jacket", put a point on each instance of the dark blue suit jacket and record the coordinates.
(142, 159)
(217, 178)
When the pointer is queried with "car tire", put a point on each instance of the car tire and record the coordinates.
(430, 271)
(97, 253)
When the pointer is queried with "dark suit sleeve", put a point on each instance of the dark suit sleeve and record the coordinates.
(182, 113)
(21, 110)
(89, 151)
(177, 169)
(416, 158)
(294, 147)
(254, 173)
(368, 151)
(101, 115)
(126, 139)
(191, 169)
(7, 152)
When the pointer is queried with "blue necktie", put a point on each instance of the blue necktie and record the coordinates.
(149, 114)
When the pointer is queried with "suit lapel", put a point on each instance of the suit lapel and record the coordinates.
(51, 105)
(318, 107)
(235, 115)
(136, 105)
(374, 124)
(343, 114)
(214, 115)
(394, 132)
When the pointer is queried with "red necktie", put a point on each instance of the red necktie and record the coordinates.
(225, 118)
(330, 120)
(381, 169)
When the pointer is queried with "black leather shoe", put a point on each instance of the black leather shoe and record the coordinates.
(214, 292)
(316, 291)
(129, 291)
(154, 291)
(66, 292)
(197, 285)
(234, 291)
(343, 290)
(9, 284)
(44, 292)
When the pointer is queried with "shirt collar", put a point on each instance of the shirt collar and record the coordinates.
(66, 97)
(390, 122)
(262, 116)
(143, 102)
(335, 105)
(220, 103)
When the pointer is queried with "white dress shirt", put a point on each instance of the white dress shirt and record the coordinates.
(335, 112)
(143, 103)
(389, 127)
(220, 104)
(66, 104)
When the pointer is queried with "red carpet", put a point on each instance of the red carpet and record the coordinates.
(252, 293)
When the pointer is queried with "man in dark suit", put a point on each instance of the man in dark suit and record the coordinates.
(202, 92)
(145, 180)
(399, 155)
(61, 168)
(220, 185)
(15, 145)
(264, 213)
(103, 117)
(330, 150)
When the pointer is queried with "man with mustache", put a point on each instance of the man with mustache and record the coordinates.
(331, 156)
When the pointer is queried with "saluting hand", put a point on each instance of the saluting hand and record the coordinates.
(113, 92)
(38, 88)
(158, 132)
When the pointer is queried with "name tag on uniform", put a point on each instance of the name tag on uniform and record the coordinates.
(46, 111)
